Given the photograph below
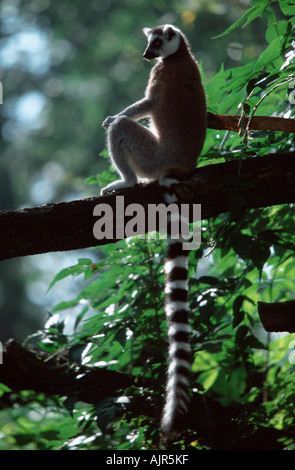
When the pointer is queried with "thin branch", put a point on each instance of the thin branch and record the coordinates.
(248, 127)
(259, 123)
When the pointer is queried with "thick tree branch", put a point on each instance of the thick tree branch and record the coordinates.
(278, 316)
(25, 369)
(69, 225)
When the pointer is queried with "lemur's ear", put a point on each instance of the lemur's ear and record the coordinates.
(146, 31)
(169, 32)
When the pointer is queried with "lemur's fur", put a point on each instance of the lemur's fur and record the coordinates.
(176, 105)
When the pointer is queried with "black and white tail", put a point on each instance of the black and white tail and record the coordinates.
(177, 312)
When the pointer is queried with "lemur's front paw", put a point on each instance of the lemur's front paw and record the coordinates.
(108, 121)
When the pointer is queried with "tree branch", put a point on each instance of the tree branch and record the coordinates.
(28, 369)
(278, 316)
(69, 225)
(259, 123)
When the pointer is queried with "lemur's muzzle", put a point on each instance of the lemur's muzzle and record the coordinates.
(149, 54)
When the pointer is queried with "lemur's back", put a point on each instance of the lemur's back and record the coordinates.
(179, 112)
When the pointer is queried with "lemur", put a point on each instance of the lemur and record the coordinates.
(175, 103)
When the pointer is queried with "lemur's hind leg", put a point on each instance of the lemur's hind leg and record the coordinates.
(132, 147)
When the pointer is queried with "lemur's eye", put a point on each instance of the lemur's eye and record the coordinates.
(157, 43)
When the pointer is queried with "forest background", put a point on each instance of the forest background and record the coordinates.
(64, 67)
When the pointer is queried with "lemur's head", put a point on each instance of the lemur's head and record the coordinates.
(162, 41)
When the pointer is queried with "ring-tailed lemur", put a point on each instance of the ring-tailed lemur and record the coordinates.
(176, 105)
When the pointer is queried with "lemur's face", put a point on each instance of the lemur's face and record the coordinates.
(162, 41)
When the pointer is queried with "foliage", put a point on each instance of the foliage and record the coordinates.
(121, 325)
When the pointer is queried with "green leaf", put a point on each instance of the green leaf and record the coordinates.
(90, 180)
(255, 343)
(208, 378)
(238, 318)
(272, 52)
(212, 281)
(276, 29)
(251, 14)
(75, 270)
(259, 253)
(241, 244)
(241, 333)
(64, 305)
(238, 313)
(121, 337)
(105, 413)
(287, 7)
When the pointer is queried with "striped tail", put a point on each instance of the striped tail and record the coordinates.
(177, 312)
